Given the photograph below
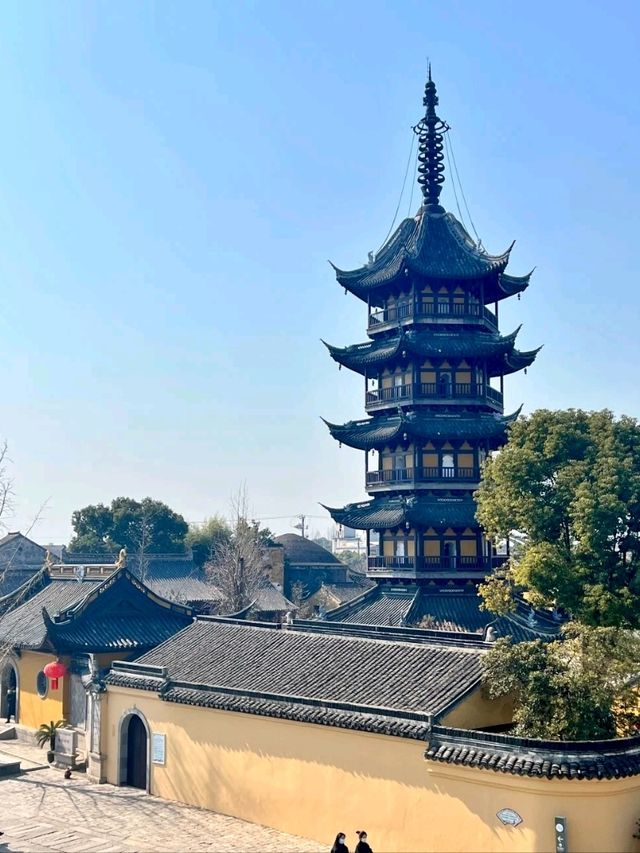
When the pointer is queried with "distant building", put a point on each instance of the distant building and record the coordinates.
(306, 565)
(20, 559)
(348, 539)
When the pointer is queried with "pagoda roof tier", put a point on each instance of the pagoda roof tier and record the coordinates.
(376, 432)
(432, 245)
(497, 349)
(389, 513)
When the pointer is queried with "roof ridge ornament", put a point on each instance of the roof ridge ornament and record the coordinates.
(430, 131)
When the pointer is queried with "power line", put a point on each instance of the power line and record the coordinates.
(464, 198)
(404, 183)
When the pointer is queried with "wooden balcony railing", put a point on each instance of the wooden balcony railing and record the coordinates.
(449, 391)
(438, 308)
(427, 564)
(422, 475)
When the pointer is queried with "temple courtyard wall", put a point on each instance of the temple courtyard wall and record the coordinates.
(314, 780)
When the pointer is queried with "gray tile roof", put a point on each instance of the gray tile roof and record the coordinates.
(385, 608)
(384, 429)
(387, 513)
(612, 759)
(299, 551)
(429, 244)
(116, 613)
(315, 666)
(171, 576)
(25, 627)
(455, 610)
(269, 599)
(430, 344)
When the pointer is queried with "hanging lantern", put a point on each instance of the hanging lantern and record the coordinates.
(54, 671)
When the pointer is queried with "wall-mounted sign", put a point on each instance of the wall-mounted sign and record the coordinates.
(158, 748)
(560, 827)
(509, 817)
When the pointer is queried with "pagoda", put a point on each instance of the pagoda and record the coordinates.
(433, 371)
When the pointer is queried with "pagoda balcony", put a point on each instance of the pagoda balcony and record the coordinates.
(450, 392)
(425, 566)
(434, 476)
(440, 310)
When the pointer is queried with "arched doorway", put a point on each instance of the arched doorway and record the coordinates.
(9, 694)
(134, 751)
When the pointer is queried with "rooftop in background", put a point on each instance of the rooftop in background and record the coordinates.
(449, 610)
(299, 551)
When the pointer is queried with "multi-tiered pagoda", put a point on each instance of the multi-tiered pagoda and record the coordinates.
(433, 380)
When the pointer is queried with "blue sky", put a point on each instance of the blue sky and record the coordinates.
(176, 175)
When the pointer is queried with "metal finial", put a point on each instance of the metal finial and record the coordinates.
(430, 131)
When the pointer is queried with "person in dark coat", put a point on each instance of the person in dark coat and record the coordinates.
(11, 703)
(340, 844)
(362, 846)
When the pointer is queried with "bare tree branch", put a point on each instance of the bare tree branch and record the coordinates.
(237, 567)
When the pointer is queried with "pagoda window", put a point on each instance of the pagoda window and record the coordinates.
(450, 553)
(444, 383)
(448, 465)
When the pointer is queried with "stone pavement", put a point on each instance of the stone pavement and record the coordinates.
(40, 811)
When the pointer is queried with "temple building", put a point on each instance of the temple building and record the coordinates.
(433, 371)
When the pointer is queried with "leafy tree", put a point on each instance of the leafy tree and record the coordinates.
(570, 482)
(203, 539)
(580, 688)
(143, 527)
(355, 561)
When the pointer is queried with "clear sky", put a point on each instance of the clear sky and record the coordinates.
(175, 176)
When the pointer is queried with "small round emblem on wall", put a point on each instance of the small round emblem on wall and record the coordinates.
(509, 817)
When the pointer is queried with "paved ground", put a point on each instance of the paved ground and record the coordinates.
(40, 811)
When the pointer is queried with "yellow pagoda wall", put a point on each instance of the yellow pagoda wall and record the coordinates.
(315, 780)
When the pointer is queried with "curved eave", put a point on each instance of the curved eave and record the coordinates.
(511, 362)
(375, 433)
(507, 285)
(424, 344)
(431, 245)
(516, 360)
(388, 514)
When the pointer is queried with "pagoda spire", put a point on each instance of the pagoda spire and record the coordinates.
(430, 131)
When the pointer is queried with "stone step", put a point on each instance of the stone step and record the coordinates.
(9, 768)
(8, 732)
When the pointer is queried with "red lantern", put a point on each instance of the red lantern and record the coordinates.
(54, 671)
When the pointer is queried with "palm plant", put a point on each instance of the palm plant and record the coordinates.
(47, 733)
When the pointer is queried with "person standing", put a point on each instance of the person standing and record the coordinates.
(11, 704)
(340, 844)
(362, 846)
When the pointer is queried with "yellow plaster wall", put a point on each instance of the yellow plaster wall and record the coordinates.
(476, 711)
(33, 710)
(315, 780)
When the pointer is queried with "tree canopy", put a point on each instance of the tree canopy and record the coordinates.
(147, 526)
(203, 539)
(569, 481)
(579, 688)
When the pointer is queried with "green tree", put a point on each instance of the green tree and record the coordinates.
(204, 538)
(143, 527)
(570, 482)
(580, 688)
(355, 561)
